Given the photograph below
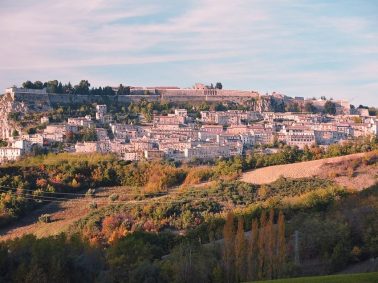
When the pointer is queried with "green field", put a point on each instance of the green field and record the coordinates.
(344, 278)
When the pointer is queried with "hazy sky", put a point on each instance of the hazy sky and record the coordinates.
(299, 48)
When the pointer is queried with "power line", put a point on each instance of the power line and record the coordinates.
(127, 194)
(60, 200)
(80, 194)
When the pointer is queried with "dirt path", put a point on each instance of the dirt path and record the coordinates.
(296, 170)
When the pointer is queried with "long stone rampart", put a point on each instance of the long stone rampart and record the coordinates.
(40, 100)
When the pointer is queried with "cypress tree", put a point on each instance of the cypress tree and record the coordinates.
(270, 245)
(281, 258)
(261, 246)
(240, 251)
(253, 251)
(229, 248)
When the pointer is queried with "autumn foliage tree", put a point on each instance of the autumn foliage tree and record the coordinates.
(261, 256)
(281, 244)
(240, 252)
(261, 246)
(229, 251)
(252, 251)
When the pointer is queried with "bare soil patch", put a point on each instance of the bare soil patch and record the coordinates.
(296, 170)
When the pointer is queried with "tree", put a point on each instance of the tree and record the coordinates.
(309, 107)
(82, 87)
(330, 107)
(38, 85)
(292, 107)
(123, 90)
(228, 248)
(15, 133)
(253, 250)
(271, 246)
(220, 107)
(261, 246)
(108, 91)
(28, 84)
(60, 88)
(281, 242)
(68, 89)
(218, 85)
(31, 131)
(240, 251)
(3, 143)
(52, 86)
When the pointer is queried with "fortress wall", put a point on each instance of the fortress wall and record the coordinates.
(136, 98)
(43, 100)
(77, 99)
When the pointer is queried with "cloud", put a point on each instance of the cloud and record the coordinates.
(249, 44)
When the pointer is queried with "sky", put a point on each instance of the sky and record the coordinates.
(307, 48)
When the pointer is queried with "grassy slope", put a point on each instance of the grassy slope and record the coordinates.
(321, 168)
(343, 278)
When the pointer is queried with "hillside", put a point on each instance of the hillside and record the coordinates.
(166, 220)
(324, 168)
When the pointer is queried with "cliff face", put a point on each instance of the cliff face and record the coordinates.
(266, 103)
(9, 105)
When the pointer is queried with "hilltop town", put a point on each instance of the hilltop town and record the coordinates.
(198, 123)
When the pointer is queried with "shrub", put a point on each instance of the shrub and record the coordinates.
(93, 205)
(90, 193)
(44, 218)
(113, 197)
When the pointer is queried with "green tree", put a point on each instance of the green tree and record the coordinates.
(123, 90)
(309, 107)
(28, 84)
(38, 85)
(68, 89)
(15, 133)
(82, 87)
(330, 107)
(52, 86)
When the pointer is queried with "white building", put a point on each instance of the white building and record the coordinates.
(88, 147)
(207, 152)
(101, 111)
(85, 122)
(10, 153)
(45, 120)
